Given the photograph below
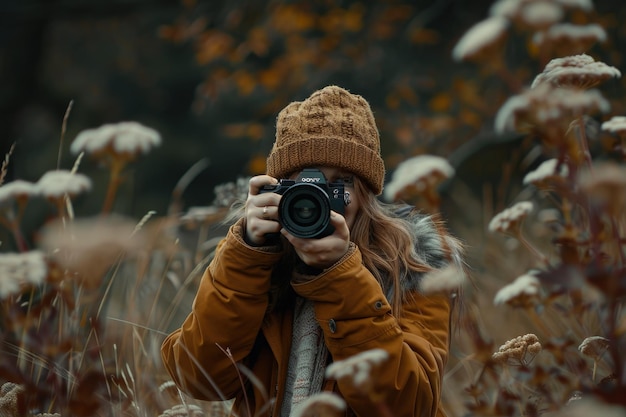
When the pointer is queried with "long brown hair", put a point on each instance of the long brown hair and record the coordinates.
(386, 243)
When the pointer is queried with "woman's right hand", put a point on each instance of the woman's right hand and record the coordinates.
(261, 210)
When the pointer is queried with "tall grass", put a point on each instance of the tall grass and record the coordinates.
(85, 302)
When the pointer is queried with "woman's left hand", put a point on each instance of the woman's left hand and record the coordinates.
(323, 253)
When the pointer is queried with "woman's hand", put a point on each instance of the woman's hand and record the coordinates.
(323, 253)
(261, 210)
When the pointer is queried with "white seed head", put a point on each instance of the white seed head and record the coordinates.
(514, 9)
(594, 346)
(56, 184)
(617, 124)
(525, 288)
(571, 34)
(420, 172)
(585, 5)
(480, 37)
(580, 71)
(540, 14)
(545, 171)
(510, 217)
(545, 106)
(127, 138)
(358, 368)
(21, 269)
(13, 190)
(449, 279)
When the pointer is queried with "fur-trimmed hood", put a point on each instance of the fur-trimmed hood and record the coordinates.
(433, 246)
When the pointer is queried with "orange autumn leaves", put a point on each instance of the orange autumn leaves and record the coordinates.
(271, 54)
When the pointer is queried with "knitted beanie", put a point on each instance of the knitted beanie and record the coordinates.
(330, 128)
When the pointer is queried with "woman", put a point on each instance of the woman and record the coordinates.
(285, 307)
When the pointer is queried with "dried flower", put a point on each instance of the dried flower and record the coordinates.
(516, 9)
(449, 279)
(13, 199)
(57, 184)
(570, 37)
(418, 175)
(519, 351)
(18, 270)
(547, 173)
(90, 246)
(12, 401)
(116, 145)
(585, 5)
(510, 219)
(125, 138)
(523, 292)
(594, 346)
(481, 39)
(8, 387)
(548, 109)
(358, 369)
(617, 125)
(323, 404)
(17, 190)
(578, 71)
(538, 14)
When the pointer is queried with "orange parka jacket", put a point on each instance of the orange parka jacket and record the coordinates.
(229, 324)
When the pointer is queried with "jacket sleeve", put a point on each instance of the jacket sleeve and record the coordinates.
(226, 314)
(355, 316)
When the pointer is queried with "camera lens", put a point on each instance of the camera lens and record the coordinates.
(304, 211)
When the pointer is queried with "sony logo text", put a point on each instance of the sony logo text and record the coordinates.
(308, 179)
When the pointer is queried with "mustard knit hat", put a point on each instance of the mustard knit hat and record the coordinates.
(332, 127)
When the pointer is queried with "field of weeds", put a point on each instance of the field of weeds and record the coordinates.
(86, 301)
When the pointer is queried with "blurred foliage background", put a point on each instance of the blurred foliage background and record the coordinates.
(212, 75)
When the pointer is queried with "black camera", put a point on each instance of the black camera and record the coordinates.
(306, 202)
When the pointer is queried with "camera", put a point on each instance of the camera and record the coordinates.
(306, 202)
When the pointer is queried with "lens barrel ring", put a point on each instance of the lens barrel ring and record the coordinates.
(304, 210)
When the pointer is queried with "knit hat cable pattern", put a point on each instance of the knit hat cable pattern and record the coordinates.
(331, 128)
